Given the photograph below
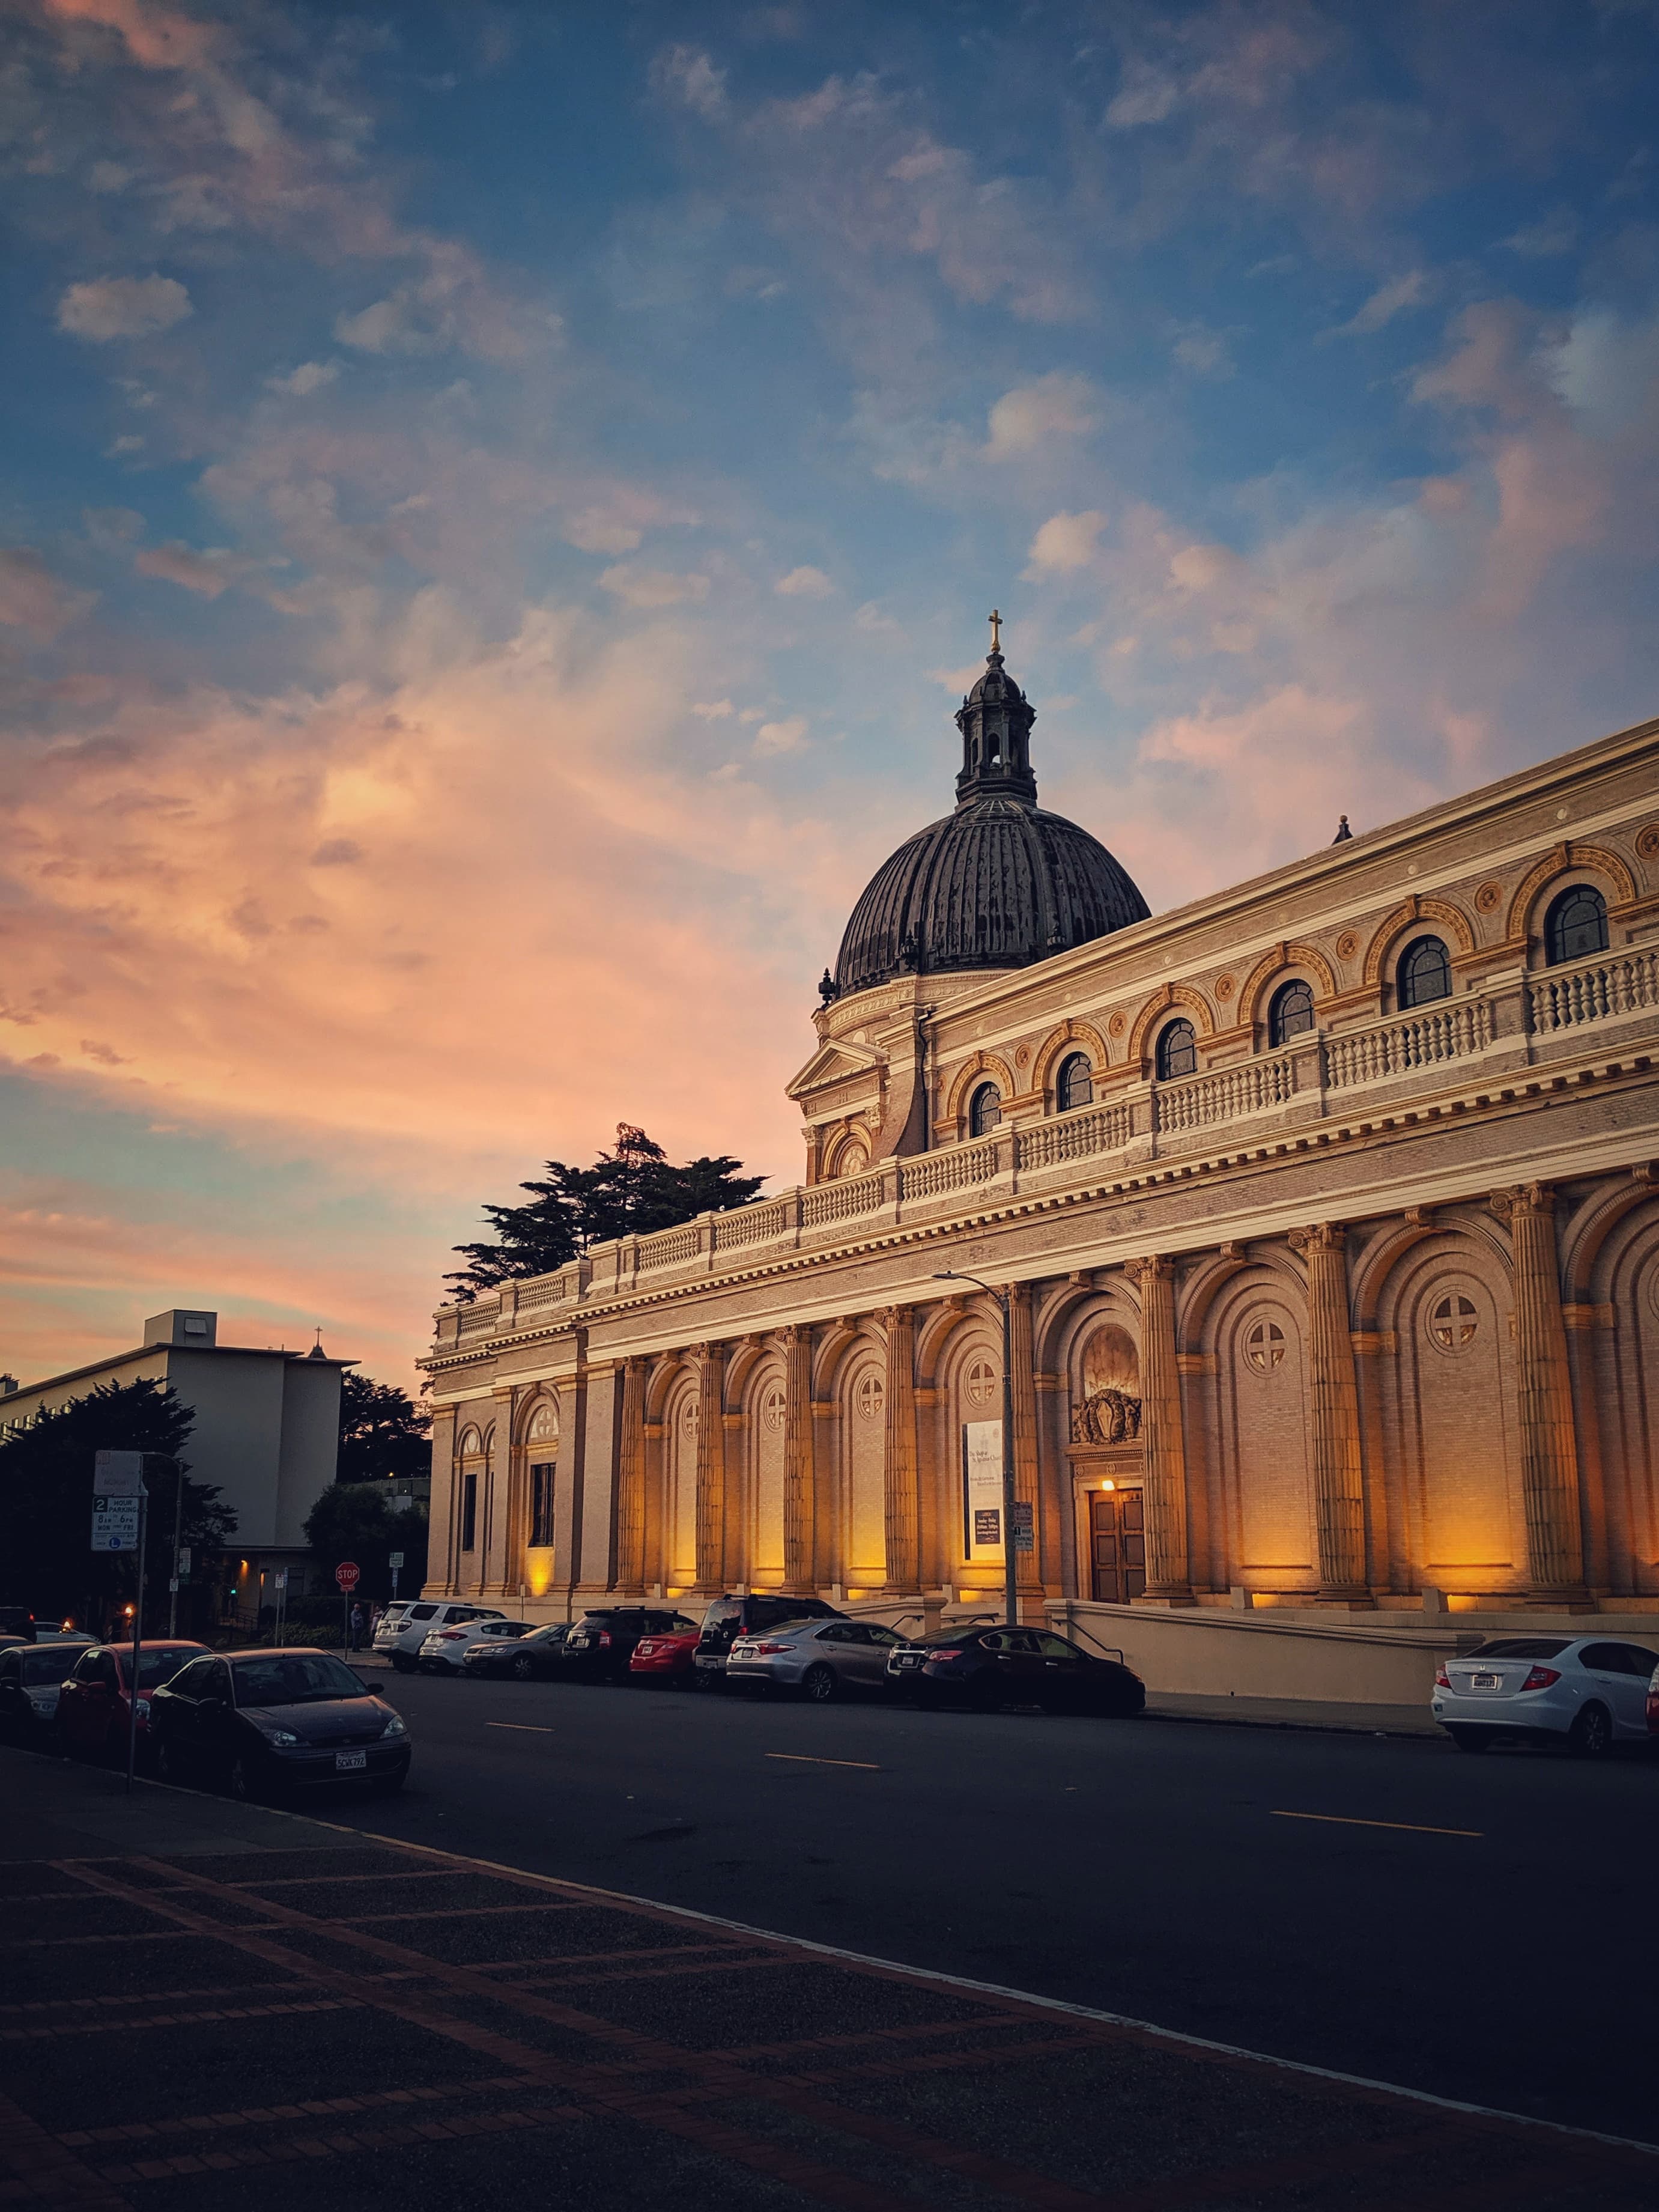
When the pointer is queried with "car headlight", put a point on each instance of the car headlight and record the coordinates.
(394, 1727)
(143, 1708)
(284, 1736)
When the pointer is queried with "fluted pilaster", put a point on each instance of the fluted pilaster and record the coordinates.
(711, 1467)
(1334, 1416)
(904, 1502)
(630, 1480)
(1022, 1375)
(1549, 1444)
(798, 1469)
(1162, 1429)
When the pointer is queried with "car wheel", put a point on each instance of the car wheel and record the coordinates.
(1470, 1738)
(1591, 1734)
(819, 1684)
(523, 1668)
(704, 1679)
(402, 1665)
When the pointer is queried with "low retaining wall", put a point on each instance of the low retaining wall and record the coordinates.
(1205, 1652)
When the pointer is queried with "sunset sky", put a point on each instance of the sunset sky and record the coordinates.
(501, 502)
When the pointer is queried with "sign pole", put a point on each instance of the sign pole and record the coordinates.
(178, 1534)
(138, 1639)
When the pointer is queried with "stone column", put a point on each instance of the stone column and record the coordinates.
(441, 1562)
(797, 1504)
(1333, 1416)
(631, 1481)
(1023, 1366)
(711, 1467)
(903, 1501)
(1162, 1431)
(1549, 1446)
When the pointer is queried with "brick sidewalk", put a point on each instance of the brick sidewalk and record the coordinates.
(198, 1989)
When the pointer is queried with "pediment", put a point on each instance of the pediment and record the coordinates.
(838, 1061)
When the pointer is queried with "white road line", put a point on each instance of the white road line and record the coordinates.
(1172, 2035)
(520, 1728)
(804, 1758)
(1346, 1820)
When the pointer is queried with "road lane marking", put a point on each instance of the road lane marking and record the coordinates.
(804, 1759)
(522, 1727)
(1410, 1827)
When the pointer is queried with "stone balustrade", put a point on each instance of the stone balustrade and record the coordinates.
(1518, 1019)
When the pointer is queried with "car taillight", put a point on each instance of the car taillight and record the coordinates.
(944, 1655)
(1540, 1678)
(767, 1647)
(452, 1636)
(603, 1639)
(1441, 1679)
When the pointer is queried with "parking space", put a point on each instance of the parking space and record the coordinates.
(404, 2025)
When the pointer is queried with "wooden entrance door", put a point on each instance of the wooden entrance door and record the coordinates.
(1117, 1543)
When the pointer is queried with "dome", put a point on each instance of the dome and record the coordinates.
(998, 883)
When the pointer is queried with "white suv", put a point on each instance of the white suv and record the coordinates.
(405, 1627)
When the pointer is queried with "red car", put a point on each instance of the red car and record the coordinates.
(92, 1705)
(664, 1656)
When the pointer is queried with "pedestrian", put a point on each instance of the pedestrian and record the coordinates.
(356, 1627)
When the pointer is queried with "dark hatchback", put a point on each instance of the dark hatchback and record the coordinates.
(260, 1723)
(986, 1668)
(531, 1657)
(745, 1614)
(601, 1644)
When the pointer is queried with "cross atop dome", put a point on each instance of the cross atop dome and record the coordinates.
(995, 722)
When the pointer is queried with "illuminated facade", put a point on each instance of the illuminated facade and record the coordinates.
(1329, 1203)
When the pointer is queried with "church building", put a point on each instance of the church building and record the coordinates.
(1326, 1209)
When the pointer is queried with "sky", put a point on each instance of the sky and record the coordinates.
(500, 503)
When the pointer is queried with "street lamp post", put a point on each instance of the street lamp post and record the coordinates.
(1010, 1556)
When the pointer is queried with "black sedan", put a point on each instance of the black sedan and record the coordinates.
(529, 1658)
(986, 1668)
(260, 1723)
(601, 1643)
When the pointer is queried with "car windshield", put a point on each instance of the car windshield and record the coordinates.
(1517, 1647)
(43, 1667)
(298, 1678)
(155, 1667)
(554, 1634)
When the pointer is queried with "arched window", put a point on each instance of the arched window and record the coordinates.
(1178, 1051)
(985, 1110)
(1291, 1012)
(1424, 973)
(1576, 925)
(1075, 1084)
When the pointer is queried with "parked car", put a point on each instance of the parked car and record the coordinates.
(531, 1656)
(31, 1677)
(989, 1668)
(443, 1649)
(1585, 1693)
(820, 1659)
(16, 1620)
(92, 1707)
(405, 1625)
(1653, 1703)
(601, 1645)
(260, 1723)
(666, 1657)
(745, 1613)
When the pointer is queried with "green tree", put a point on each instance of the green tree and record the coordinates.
(383, 1433)
(47, 1559)
(355, 1521)
(628, 1191)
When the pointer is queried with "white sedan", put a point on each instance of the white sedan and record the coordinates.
(442, 1651)
(1588, 1692)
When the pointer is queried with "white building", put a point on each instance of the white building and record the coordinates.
(267, 1422)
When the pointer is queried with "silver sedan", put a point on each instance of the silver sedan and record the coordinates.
(820, 1659)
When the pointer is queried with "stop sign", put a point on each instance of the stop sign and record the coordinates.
(348, 1574)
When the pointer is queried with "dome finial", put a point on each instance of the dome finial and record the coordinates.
(996, 632)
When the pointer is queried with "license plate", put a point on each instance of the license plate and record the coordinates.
(351, 1762)
(1486, 1681)
(909, 1659)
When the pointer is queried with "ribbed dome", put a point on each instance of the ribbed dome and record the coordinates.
(998, 883)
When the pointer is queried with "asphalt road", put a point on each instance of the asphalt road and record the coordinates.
(1483, 1928)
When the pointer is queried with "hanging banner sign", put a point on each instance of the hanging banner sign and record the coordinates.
(115, 1524)
(981, 1485)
